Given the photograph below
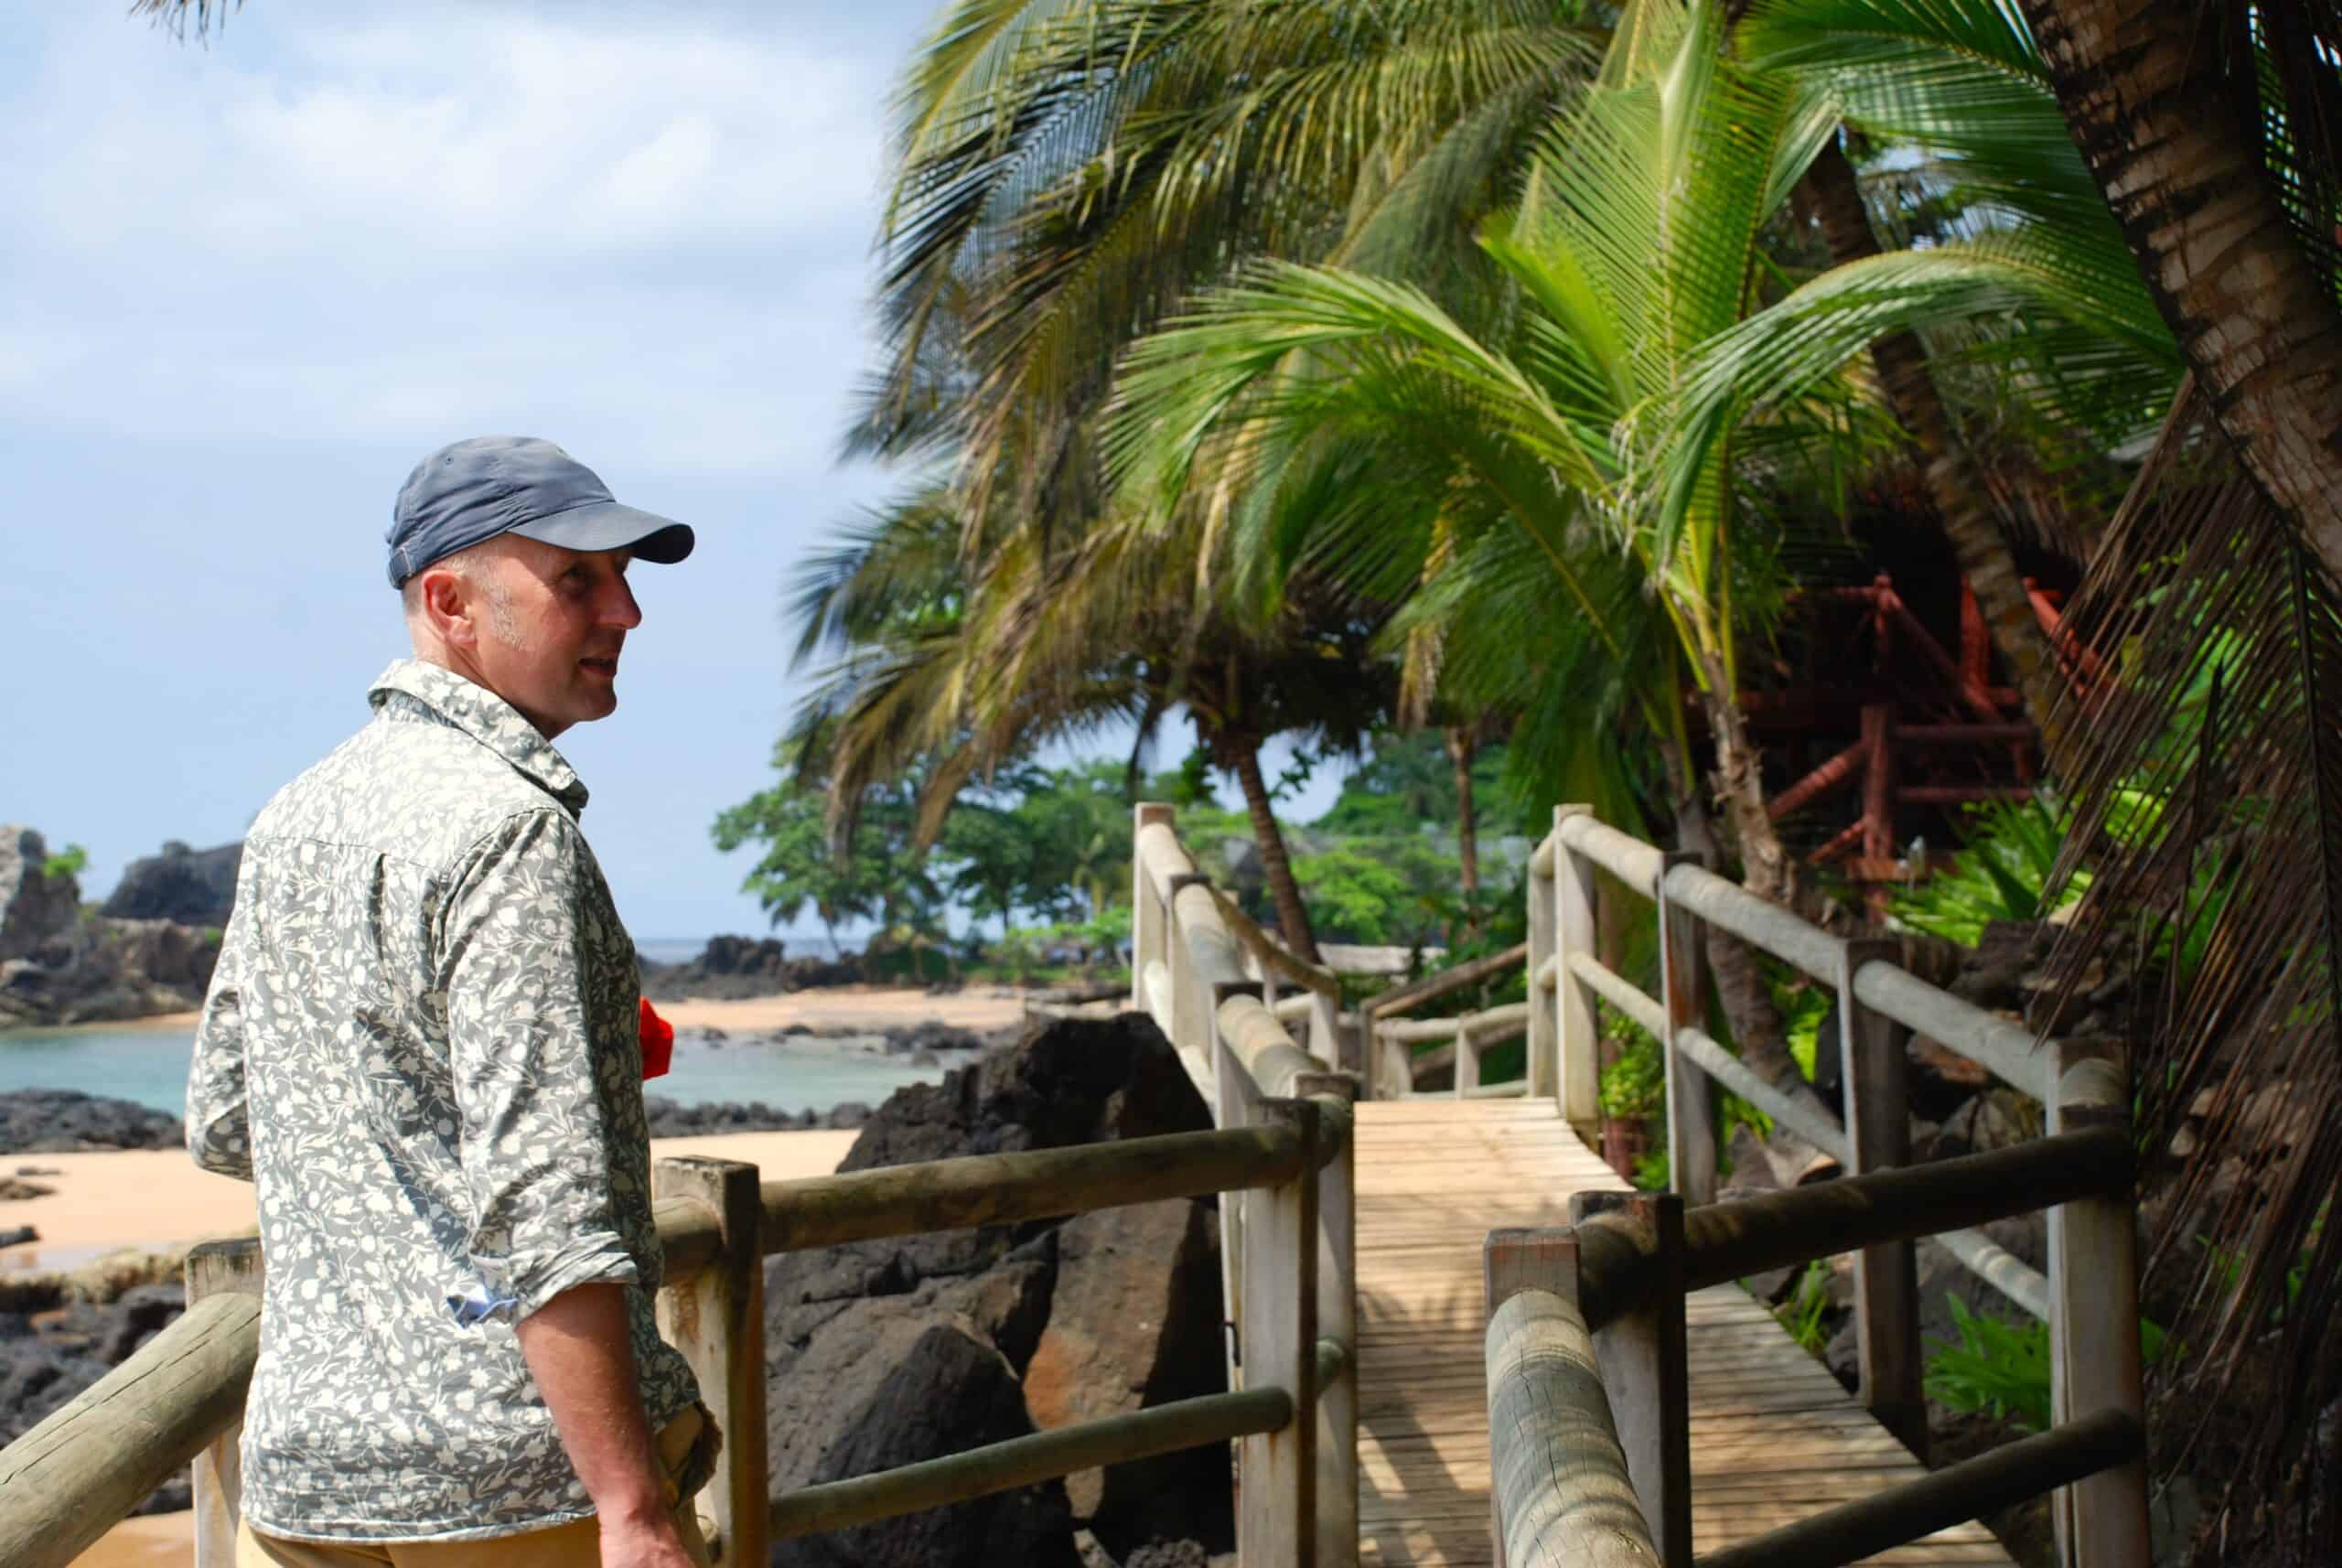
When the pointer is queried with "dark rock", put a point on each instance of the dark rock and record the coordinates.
(730, 968)
(191, 886)
(1134, 1322)
(13, 1189)
(36, 908)
(38, 1171)
(668, 1120)
(714, 1036)
(872, 1391)
(103, 969)
(885, 1352)
(19, 1236)
(66, 1121)
(932, 1034)
(48, 1357)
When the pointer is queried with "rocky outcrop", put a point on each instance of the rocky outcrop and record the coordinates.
(730, 968)
(191, 886)
(66, 1121)
(668, 1120)
(883, 1352)
(60, 964)
(36, 910)
(103, 968)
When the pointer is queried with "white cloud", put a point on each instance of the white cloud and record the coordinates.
(478, 218)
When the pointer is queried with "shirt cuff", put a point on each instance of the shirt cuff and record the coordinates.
(592, 1260)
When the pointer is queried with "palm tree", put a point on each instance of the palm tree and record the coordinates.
(2211, 131)
(1067, 170)
(1535, 443)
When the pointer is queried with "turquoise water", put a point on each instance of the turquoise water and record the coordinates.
(150, 1065)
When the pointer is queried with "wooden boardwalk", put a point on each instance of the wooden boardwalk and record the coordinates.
(1773, 1438)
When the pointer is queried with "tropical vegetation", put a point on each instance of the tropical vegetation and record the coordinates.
(1485, 381)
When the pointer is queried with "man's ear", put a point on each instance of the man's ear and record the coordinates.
(447, 607)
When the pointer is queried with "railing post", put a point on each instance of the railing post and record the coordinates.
(1543, 1068)
(717, 1320)
(1577, 1025)
(1325, 1030)
(1276, 1499)
(1644, 1358)
(2094, 1322)
(220, 1268)
(1875, 1072)
(1690, 1112)
(1553, 1453)
(1150, 917)
(1338, 1324)
(1236, 1102)
(1467, 1057)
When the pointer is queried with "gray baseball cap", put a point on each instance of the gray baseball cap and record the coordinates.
(476, 490)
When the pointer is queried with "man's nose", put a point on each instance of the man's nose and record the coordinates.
(618, 607)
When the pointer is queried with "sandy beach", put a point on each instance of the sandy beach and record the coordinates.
(869, 1007)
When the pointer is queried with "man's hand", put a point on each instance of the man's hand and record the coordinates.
(644, 1543)
(577, 1348)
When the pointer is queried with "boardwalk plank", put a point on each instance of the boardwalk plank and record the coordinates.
(1773, 1438)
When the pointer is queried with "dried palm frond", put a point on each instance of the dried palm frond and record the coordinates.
(178, 18)
(2207, 786)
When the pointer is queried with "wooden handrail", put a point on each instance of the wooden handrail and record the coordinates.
(1727, 1241)
(1272, 953)
(67, 1481)
(1995, 1479)
(1431, 987)
(1025, 1461)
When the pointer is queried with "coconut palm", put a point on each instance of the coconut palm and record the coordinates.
(1521, 455)
(1067, 170)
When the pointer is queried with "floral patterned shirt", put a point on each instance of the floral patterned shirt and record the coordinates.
(421, 1047)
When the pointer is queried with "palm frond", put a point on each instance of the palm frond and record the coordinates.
(2208, 807)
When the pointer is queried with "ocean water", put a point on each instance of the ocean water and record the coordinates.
(150, 1065)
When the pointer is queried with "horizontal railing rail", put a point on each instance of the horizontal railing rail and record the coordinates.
(1623, 1269)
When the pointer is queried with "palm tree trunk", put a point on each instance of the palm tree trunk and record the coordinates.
(1461, 749)
(1293, 916)
(2141, 86)
(1748, 1003)
(1953, 487)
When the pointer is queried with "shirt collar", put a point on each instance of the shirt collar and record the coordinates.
(442, 694)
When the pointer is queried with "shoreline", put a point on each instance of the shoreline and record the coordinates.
(873, 1008)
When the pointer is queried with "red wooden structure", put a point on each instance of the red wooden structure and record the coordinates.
(1872, 703)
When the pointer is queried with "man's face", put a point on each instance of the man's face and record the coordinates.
(548, 626)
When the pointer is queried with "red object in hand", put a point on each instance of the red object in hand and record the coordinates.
(658, 1043)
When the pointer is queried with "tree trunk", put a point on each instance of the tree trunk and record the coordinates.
(1461, 749)
(1956, 490)
(1738, 976)
(1244, 760)
(2141, 86)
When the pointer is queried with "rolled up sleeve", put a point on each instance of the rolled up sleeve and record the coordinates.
(533, 1081)
(218, 1126)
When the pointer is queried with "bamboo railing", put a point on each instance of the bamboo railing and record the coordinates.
(1595, 1470)
(1280, 1154)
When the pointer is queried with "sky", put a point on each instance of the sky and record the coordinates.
(245, 284)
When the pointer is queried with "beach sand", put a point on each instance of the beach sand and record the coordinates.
(172, 1202)
(870, 1007)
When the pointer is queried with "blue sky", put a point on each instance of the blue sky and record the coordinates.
(244, 285)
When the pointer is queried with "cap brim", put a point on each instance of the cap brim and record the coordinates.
(608, 525)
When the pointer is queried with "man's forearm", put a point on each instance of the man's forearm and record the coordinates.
(579, 1352)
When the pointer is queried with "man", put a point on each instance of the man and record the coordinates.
(421, 1047)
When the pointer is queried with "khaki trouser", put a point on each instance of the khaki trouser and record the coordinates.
(577, 1544)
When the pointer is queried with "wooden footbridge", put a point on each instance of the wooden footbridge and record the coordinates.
(1455, 1335)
